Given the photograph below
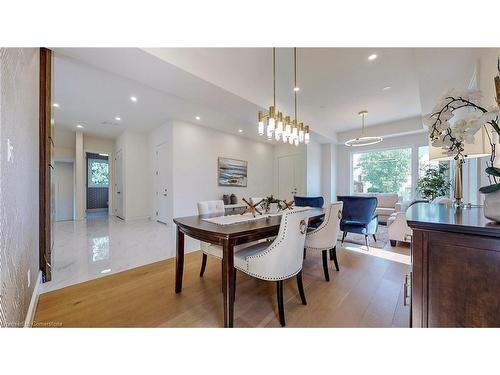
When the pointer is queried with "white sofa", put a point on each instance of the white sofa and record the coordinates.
(397, 227)
(388, 203)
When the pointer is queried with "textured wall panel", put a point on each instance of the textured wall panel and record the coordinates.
(19, 69)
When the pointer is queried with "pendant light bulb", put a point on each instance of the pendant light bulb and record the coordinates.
(306, 135)
(279, 127)
(261, 123)
(271, 122)
(288, 126)
(301, 132)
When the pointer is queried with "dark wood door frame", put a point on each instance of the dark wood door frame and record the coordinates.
(45, 167)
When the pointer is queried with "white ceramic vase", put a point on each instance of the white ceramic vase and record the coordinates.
(492, 206)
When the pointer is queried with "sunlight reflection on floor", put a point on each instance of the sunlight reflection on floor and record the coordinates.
(381, 253)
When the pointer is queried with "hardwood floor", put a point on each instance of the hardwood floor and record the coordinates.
(367, 292)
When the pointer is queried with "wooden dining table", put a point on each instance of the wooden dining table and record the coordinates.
(226, 236)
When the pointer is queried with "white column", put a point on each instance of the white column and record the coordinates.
(79, 178)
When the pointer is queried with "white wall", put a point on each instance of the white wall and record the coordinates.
(19, 240)
(329, 172)
(136, 165)
(344, 157)
(64, 144)
(314, 169)
(195, 153)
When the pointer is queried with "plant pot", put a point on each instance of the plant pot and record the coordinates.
(273, 208)
(492, 206)
(233, 199)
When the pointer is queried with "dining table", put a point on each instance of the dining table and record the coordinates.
(226, 236)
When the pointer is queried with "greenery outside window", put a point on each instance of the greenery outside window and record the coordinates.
(98, 173)
(384, 171)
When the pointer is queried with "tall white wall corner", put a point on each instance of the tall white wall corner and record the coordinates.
(79, 177)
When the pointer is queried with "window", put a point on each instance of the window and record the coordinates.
(423, 160)
(385, 171)
(98, 173)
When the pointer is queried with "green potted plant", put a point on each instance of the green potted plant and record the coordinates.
(272, 204)
(434, 183)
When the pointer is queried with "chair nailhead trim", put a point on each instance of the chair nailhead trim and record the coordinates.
(271, 247)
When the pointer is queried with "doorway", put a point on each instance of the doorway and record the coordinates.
(119, 212)
(64, 192)
(162, 182)
(97, 186)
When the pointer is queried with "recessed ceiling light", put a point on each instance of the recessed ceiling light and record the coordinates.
(79, 126)
(240, 130)
(198, 117)
(107, 270)
(372, 57)
(133, 98)
(118, 118)
(296, 88)
(386, 88)
(55, 105)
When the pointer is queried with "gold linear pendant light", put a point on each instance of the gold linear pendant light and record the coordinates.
(281, 126)
(362, 140)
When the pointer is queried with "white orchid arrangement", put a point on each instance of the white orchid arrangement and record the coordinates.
(451, 136)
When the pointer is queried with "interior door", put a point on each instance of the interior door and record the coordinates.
(64, 191)
(162, 199)
(119, 184)
(290, 176)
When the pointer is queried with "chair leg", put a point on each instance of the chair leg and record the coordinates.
(374, 238)
(344, 235)
(324, 255)
(366, 242)
(304, 253)
(301, 288)
(334, 253)
(203, 264)
(331, 254)
(393, 243)
(281, 307)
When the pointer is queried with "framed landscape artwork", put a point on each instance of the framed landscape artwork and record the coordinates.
(232, 172)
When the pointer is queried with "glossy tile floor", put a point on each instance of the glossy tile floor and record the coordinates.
(102, 245)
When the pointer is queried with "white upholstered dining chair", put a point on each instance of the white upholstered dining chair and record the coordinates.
(280, 259)
(212, 207)
(324, 238)
(205, 208)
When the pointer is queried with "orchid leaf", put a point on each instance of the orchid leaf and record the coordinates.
(493, 171)
(490, 188)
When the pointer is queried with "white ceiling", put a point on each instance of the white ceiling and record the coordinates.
(227, 86)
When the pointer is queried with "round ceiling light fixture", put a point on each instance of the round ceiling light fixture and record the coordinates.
(362, 140)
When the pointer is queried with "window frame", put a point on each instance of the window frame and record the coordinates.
(413, 163)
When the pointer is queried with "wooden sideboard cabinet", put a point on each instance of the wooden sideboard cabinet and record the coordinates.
(455, 277)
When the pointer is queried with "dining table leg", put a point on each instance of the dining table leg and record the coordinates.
(179, 261)
(228, 282)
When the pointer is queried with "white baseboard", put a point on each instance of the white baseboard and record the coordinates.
(28, 322)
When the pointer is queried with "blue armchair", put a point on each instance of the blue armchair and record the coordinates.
(358, 216)
(310, 202)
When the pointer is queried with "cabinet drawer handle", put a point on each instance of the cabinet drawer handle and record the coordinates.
(405, 291)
